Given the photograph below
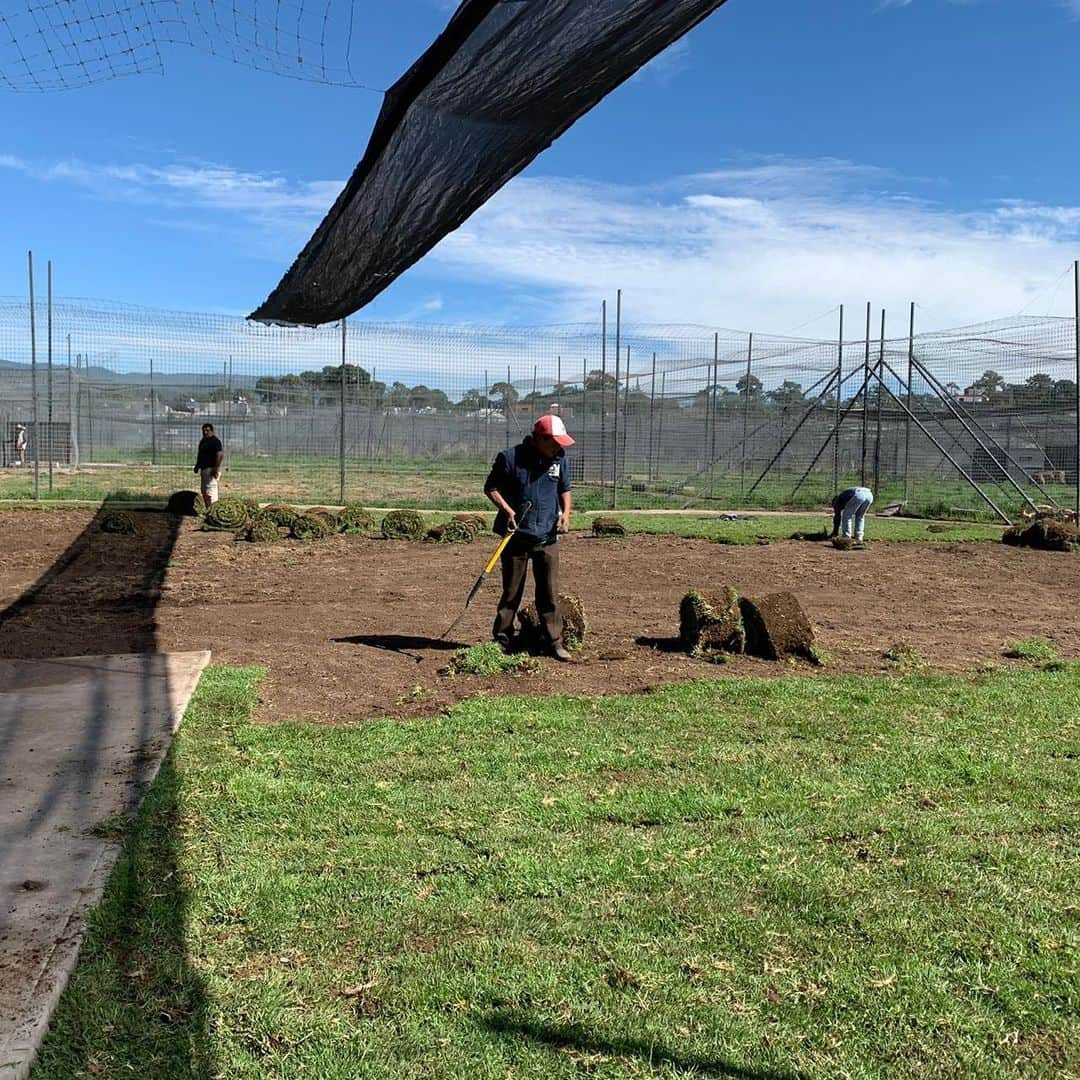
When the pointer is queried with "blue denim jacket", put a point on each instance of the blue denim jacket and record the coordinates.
(521, 474)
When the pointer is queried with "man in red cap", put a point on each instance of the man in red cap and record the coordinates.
(534, 471)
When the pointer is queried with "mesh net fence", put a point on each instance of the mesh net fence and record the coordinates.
(974, 422)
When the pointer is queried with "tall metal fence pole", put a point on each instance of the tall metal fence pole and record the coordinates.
(712, 410)
(49, 413)
(652, 415)
(584, 380)
(625, 414)
(73, 446)
(660, 422)
(341, 422)
(153, 421)
(615, 418)
(603, 393)
(877, 421)
(907, 419)
(746, 417)
(839, 387)
(1076, 447)
(33, 380)
(866, 383)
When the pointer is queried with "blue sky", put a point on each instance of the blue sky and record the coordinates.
(783, 158)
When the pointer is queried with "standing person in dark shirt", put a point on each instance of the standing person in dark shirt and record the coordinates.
(536, 471)
(208, 464)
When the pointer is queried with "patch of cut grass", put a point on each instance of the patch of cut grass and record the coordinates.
(1036, 650)
(762, 878)
(489, 659)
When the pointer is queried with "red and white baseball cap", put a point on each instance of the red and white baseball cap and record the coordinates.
(552, 425)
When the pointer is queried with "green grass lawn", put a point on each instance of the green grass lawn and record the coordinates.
(738, 878)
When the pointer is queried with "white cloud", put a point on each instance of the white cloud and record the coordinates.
(763, 248)
(764, 245)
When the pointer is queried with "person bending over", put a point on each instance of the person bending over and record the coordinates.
(849, 512)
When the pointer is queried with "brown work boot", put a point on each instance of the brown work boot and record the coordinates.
(560, 653)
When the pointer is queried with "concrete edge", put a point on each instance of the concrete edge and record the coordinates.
(66, 951)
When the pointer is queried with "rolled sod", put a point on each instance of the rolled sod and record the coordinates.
(280, 515)
(119, 522)
(403, 525)
(575, 624)
(262, 531)
(608, 526)
(476, 522)
(331, 517)
(355, 519)
(711, 624)
(310, 527)
(185, 504)
(228, 515)
(1045, 534)
(776, 626)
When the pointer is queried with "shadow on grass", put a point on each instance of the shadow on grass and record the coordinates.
(575, 1037)
(135, 1006)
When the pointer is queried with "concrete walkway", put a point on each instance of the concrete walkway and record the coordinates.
(80, 741)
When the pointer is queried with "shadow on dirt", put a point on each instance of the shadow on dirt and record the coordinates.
(404, 644)
(134, 1005)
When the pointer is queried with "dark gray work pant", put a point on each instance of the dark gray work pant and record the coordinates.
(515, 564)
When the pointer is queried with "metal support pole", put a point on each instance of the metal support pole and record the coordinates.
(153, 421)
(615, 419)
(839, 384)
(652, 415)
(877, 432)
(660, 422)
(625, 413)
(507, 403)
(33, 380)
(341, 421)
(907, 422)
(866, 382)
(712, 410)
(49, 429)
(746, 415)
(73, 446)
(584, 380)
(1076, 448)
(603, 392)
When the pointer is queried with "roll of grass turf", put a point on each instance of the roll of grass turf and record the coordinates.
(228, 515)
(119, 522)
(403, 525)
(185, 504)
(608, 526)
(262, 531)
(711, 624)
(280, 515)
(310, 527)
(777, 626)
(575, 624)
(355, 519)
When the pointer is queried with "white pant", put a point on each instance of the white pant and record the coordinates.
(209, 485)
(853, 512)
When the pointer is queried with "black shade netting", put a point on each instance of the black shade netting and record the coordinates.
(498, 86)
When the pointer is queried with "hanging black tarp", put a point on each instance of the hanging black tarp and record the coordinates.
(500, 84)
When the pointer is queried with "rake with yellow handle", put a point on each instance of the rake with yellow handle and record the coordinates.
(479, 583)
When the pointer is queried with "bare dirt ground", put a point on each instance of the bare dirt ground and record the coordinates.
(348, 627)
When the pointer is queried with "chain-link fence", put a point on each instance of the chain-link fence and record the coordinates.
(979, 421)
